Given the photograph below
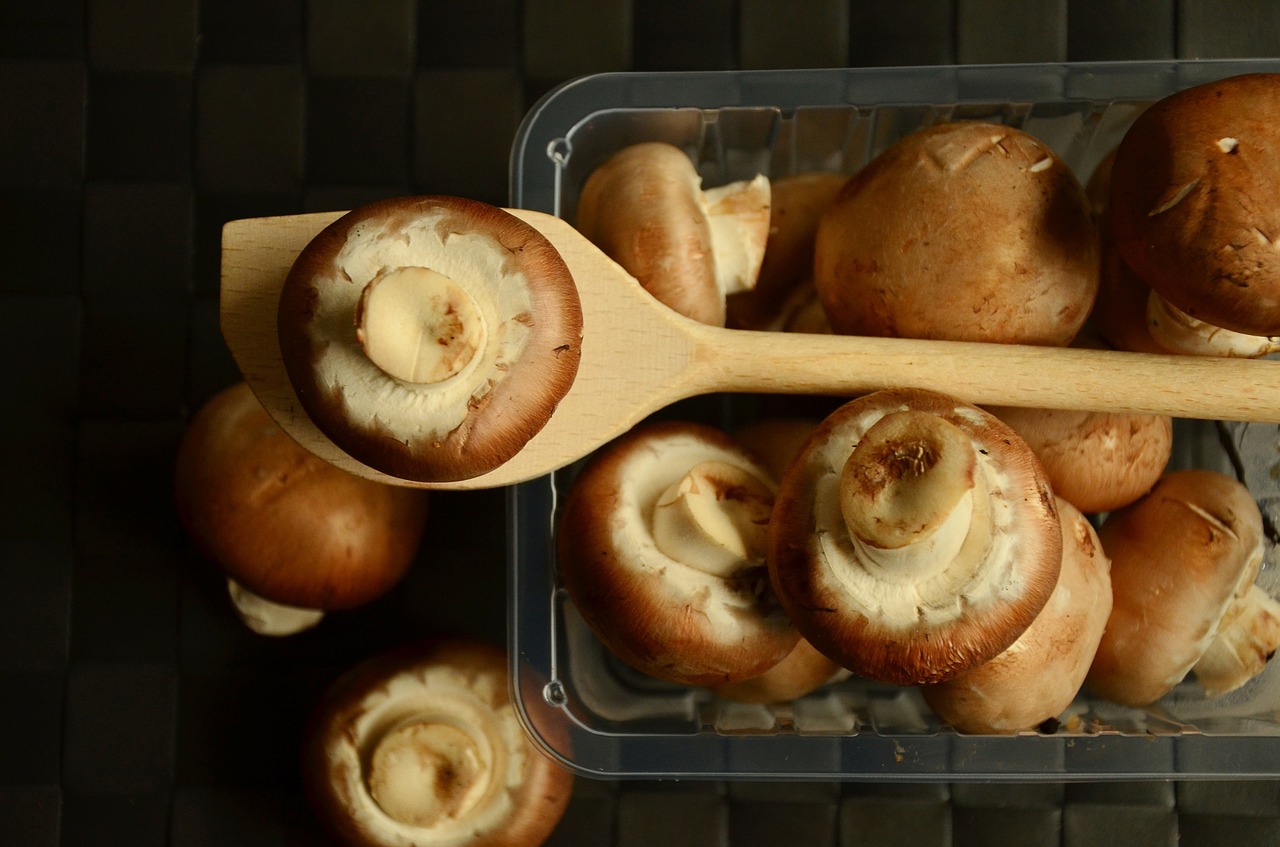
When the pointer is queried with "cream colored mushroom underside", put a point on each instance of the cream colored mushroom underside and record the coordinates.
(1186, 660)
(738, 215)
(1242, 644)
(647, 473)
(474, 261)
(443, 695)
(1176, 330)
(267, 617)
(939, 599)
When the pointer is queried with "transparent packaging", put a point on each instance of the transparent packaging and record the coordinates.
(599, 717)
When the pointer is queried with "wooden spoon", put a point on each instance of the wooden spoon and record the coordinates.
(638, 356)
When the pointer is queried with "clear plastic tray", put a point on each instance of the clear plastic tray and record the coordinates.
(601, 718)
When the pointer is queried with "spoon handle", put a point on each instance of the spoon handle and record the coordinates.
(991, 374)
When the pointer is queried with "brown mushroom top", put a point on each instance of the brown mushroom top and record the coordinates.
(803, 671)
(1132, 316)
(422, 746)
(689, 248)
(1179, 557)
(914, 537)
(1039, 675)
(430, 337)
(966, 231)
(1193, 201)
(1120, 311)
(1098, 461)
(282, 523)
(661, 543)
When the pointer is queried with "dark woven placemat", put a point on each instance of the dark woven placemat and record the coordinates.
(134, 709)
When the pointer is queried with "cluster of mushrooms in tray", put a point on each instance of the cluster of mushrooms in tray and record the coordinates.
(1000, 559)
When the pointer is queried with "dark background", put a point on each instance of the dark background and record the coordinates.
(134, 709)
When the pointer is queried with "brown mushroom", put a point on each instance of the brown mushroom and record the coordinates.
(1037, 677)
(783, 297)
(966, 231)
(430, 337)
(914, 537)
(293, 534)
(661, 548)
(422, 746)
(1193, 202)
(803, 671)
(1098, 461)
(1182, 557)
(775, 443)
(1178, 332)
(1131, 316)
(689, 247)
(267, 617)
(1248, 636)
(1119, 315)
(1120, 312)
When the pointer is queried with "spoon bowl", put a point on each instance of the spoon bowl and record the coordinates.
(639, 356)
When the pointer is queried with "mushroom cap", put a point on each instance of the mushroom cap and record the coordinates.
(656, 613)
(645, 208)
(1193, 201)
(1120, 312)
(964, 231)
(1097, 461)
(1179, 557)
(473, 422)
(642, 208)
(1039, 675)
(284, 524)
(802, 671)
(797, 204)
(486, 784)
(900, 630)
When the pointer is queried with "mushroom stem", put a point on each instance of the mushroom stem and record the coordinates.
(418, 325)
(714, 518)
(1247, 637)
(738, 214)
(425, 754)
(909, 497)
(1175, 330)
(268, 618)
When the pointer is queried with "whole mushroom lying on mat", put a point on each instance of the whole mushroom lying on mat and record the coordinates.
(421, 745)
(295, 536)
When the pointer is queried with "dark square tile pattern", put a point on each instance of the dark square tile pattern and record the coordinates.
(130, 132)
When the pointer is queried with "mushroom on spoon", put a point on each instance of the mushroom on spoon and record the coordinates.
(638, 356)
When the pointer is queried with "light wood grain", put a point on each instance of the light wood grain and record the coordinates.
(638, 357)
